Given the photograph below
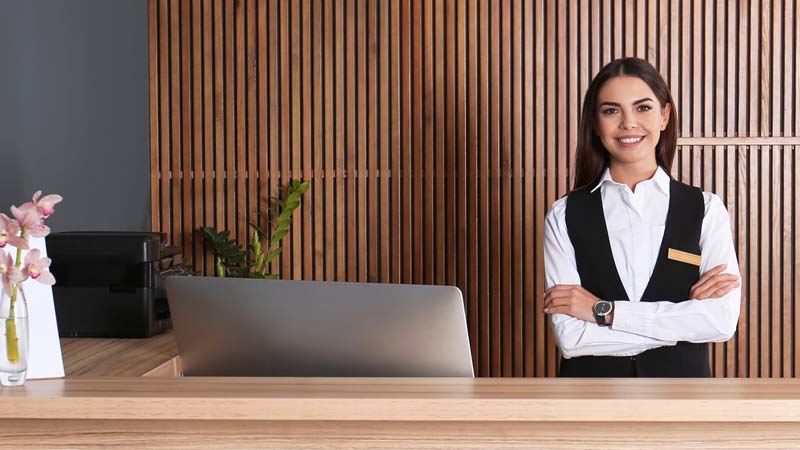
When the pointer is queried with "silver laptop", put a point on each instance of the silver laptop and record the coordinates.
(248, 327)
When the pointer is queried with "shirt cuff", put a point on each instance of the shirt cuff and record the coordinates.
(632, 318)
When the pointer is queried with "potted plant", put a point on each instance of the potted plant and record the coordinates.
(231, 260)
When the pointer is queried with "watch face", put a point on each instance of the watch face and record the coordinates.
(602, 308)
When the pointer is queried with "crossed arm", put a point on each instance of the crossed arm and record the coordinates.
(710, 315)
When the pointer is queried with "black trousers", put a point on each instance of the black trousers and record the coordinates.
(682, 360)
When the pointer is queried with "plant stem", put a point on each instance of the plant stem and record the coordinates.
(12, 341)
(220, 267)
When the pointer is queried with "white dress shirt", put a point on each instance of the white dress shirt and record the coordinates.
(636, 221)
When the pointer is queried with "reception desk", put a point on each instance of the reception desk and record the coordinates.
(123, 393)
(352, 413)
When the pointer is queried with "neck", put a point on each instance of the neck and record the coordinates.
(632, 173)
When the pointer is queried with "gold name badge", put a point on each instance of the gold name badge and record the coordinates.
(688, 258)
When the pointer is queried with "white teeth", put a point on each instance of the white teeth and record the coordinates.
(631, 140)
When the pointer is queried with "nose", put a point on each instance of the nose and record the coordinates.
(627, 122)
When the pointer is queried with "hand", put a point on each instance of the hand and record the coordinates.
(570, 299)
(714, 284)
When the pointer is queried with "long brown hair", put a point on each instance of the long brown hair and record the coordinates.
(590, 155)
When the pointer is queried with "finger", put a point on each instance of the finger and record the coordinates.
(717, 290)
(558, 296)
(553, 291)
(707, 280)
(711, 272)
(722, 291)
(562, 287)
(557, 310)
(712, 283)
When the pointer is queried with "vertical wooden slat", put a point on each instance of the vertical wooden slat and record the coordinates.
(484, 139)
(604, 32)
(383, 139)
(395, 165)
(786, 112)
(461, 151)
(440, 144)
(176, 147)
(329, 168)
(350, 157)
(240, 171)
(407, 137)
(340, 166)
(307, 205)
(263, 120)
(361, 65)
(495, 295)
(504, 175)
(198, 153)
(208, 126)
(674, 80)
(551, 129)
(723, 361)
(153, 82)
(373, 264)
(428, 143)
(251, 114)
(795, 173)
(275, 94)
(318, 185)
(628, 29)
(617, 29)
(516, 187)
(446, 170)
(733, 347)
(532, 314)
(641, 28)
(541, 330)
(471, 163)
(229, 133)
(753, 158)
(164, 129)
(294, 240)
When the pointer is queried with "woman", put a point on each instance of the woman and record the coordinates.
(625, 250)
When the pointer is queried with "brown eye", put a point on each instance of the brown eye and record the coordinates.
(609, 111)
(645, 108)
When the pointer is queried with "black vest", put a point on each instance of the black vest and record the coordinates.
(671, 280)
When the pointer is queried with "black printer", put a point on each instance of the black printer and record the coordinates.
(108, 284)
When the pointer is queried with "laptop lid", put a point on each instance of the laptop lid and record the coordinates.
(249, 327)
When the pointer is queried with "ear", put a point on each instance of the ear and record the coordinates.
(665, 115)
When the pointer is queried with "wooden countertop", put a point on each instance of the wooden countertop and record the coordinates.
(407, 399)
(111, 398)
(95, 357)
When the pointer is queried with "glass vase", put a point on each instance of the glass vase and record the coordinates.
(13, 336)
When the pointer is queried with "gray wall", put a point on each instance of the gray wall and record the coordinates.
(74, 110)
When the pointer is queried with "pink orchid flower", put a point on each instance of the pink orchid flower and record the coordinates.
(8, 233)
(9, 273)
(31, 219)
(46, 204)
(36, 267)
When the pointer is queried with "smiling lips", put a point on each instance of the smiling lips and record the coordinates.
(630, 141)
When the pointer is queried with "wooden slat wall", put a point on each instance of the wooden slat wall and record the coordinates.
(437, 133)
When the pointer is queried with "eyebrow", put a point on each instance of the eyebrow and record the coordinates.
(641, 100)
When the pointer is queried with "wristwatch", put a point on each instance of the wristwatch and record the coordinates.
(601, 310)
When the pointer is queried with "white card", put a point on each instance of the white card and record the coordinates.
(45, 347)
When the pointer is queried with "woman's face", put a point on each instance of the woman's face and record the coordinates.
(630, 119)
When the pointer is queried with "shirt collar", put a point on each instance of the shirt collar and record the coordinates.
(660, 177)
